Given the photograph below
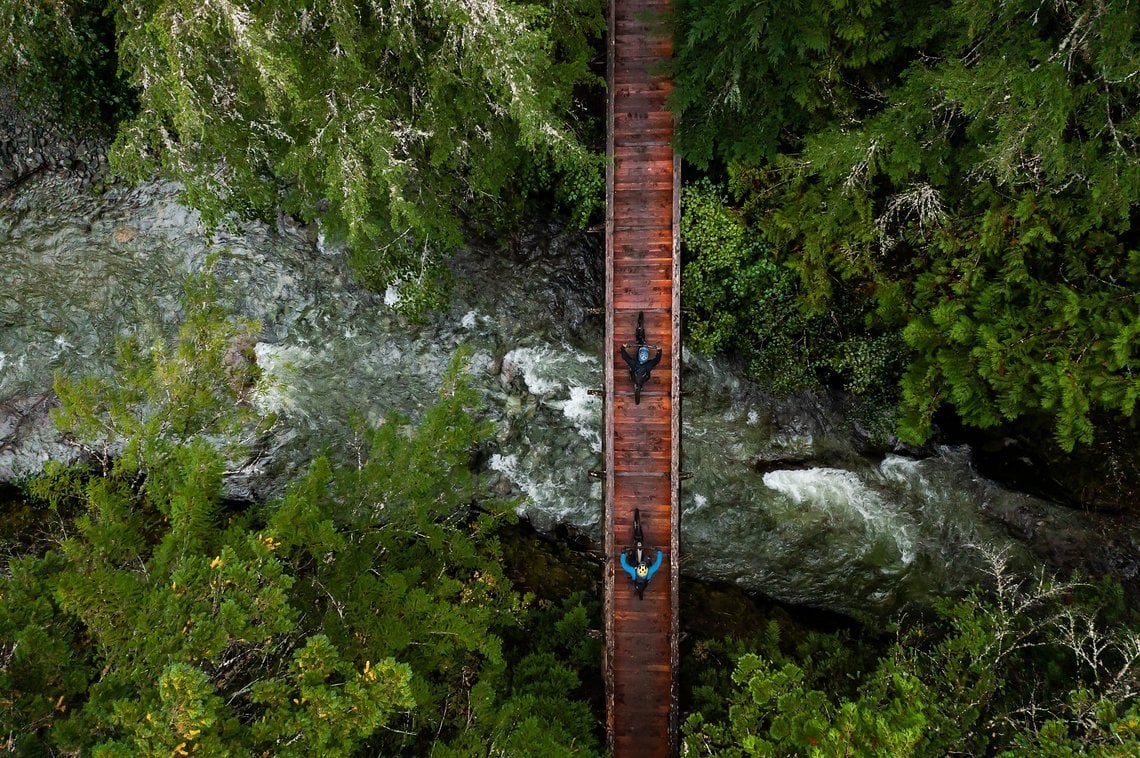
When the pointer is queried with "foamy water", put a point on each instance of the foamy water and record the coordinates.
(843, 494)
(585, 412)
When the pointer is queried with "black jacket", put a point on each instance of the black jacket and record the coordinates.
(639, 370)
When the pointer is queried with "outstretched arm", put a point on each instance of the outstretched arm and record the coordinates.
(630, 569)
(656, 565)
(629, 359)
(655, 361)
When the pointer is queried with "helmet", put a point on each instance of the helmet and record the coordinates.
(642, 570)
(643, 353)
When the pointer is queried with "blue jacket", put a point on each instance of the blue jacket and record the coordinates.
(632, 570)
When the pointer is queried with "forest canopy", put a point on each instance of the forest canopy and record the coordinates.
(953, 185)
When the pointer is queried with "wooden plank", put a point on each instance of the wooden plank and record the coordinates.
(644, 416)
(642, 86)
(649, 615)
(649, 489)
(644, 202)
(658, 130)
(653, 295)
(631, 241)
(640, 12)
(635, 27)
(658, 323)
(629, 193)
(648, 99)
(659, 383)
(645, 649)
(623, 523)
(657, 153)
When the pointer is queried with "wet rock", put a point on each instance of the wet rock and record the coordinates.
(28, 439)
(32, 140)
(124, 234)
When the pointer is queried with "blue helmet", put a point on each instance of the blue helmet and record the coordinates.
(643, 353)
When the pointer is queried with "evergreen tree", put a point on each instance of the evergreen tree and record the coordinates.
(1021, 667)
(165, 619)
(967, 169)
(395, 123)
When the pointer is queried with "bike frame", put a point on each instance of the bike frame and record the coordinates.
(638, 536)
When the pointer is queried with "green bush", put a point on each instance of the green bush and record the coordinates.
(746, 300)
(363, 612)
(62, 55)
(1035, 667)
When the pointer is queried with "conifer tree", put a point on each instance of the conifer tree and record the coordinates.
(165, 619)
(396, 123)
(968, 170)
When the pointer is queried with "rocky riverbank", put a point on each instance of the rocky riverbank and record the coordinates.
(33, 144)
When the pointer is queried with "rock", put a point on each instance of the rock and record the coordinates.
(124, 234)
(503, 488)
(28, 438)
(240, 361)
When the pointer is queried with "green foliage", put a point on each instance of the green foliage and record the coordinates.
(62, 55)
(966, 171)
(166, 392)
(442, 590)
(535, 715)
(745, 72)
(748, 302)
(363, 612)
(327, 703)
(1039, 667)
(396, 124)
(442, 604)
(579, 190)
(41, 673)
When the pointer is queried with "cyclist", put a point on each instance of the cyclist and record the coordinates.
(640, 364)
(640, 571)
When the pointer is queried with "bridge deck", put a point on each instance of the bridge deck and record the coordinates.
(641, 441)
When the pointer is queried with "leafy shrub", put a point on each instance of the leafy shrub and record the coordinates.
(1025, 667)
(63, 55)
(746, 301)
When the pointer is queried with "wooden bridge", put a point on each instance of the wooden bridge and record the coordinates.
(641, 441)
